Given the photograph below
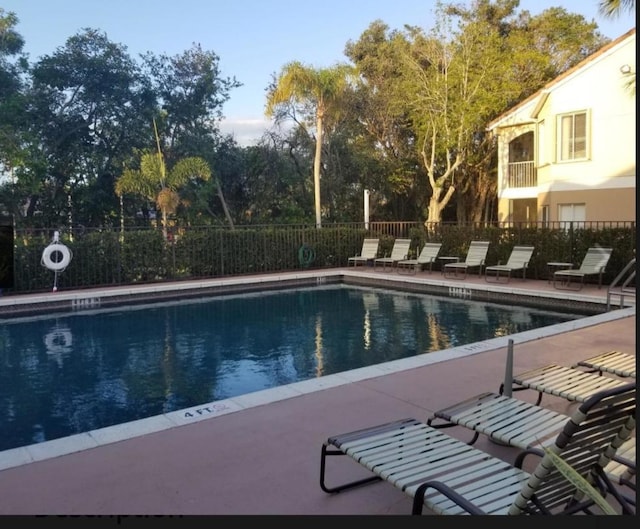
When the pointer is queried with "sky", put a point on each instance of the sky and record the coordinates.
(254, 39)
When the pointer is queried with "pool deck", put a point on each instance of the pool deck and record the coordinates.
(260, 453)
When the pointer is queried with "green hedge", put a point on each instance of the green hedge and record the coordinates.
(109, 257)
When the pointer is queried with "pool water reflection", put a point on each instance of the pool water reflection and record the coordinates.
(73, 373)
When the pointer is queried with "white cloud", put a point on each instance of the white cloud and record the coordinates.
(246, 131)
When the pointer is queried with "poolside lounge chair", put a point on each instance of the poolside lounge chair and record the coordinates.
(594, 263)
(513, 422)
(518, 261)
(427, 256)
(614, 362)
(571, 384)
(399, 251)
(509, 420)
(368, 254)
(476, 256)
(448, 476)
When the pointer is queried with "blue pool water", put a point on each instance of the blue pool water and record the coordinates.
(72, 373)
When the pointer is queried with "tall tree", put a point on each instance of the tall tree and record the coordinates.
(88, 106)
(384, 135)
(13, 105)
(191, 93)
(451, 78)
(317, 94)
(154, 182)
(434, 91)
(533, 50)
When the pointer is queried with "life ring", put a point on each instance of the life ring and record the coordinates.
(306, 256)
(56, 266)
(58, 341)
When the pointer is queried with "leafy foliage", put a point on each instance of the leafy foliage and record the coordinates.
(405, 121)
(154, 182)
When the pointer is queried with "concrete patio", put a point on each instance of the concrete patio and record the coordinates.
(264, 459)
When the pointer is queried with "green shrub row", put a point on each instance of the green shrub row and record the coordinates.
(109, 258)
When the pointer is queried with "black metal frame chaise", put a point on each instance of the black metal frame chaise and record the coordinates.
(449, 476)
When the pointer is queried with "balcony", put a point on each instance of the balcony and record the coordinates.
(522, 174)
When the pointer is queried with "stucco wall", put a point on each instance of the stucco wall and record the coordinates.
(601, 204)
(606, 180)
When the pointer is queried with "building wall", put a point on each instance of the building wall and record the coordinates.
(606, 180)
(601, 204)
(598, 88)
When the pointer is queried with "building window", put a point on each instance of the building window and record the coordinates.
(572, 135)
(572, 215)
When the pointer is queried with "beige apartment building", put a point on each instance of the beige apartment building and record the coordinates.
(567, 153)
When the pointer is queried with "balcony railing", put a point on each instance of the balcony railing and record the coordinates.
(522, 174)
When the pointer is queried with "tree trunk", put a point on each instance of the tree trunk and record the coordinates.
(436, 205)
(224, 206)
(316, 170)
(164, 225)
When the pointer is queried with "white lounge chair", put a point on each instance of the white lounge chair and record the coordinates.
(369, 253)
(518, 261)
(622, 469)
(449, 476)
(614, 362)
(594, 263)
(476, 256)
(399, 251)
(427, 256)
(513, 422)
(574, 385)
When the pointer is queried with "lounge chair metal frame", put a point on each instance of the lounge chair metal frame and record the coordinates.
(399, 251)
(594, 263)
(368, 253)
(518, 260)
(476, 256)
(449, 476)
(427, 256)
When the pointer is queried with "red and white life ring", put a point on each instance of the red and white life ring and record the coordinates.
(56, 266)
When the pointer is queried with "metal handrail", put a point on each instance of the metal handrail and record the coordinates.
(622, 289)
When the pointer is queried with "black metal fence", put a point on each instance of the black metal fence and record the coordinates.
(110, 257)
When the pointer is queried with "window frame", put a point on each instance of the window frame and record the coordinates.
(566, 147)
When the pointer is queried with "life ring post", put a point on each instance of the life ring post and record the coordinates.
(62, 255)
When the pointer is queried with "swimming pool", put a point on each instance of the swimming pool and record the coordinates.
(68, 373)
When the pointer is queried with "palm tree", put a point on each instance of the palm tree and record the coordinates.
(154, 182)
(613, 8)
(322, 89)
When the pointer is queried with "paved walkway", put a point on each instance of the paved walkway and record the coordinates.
(265, 459)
